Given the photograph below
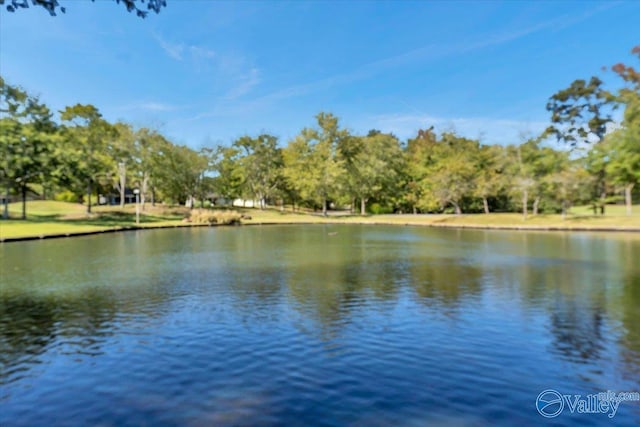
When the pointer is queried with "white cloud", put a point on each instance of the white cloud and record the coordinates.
(198, 52)
(179, 51)
(245, 83)
(150, 106)
(173, 50)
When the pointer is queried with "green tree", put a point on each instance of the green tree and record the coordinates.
(624, 144)
(181, 173)
(629, 95)
(228, 180)
(417, 157)
(122, 152)
(89, 136)
(567, 184)
(313, 165)
(147, 162)
(26, 138)
(260, 166)
(530, 164)
(580, 112)
(375, 170)
(450, 172)
(623, 166)
(490, 178)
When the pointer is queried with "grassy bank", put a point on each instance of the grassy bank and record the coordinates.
(47, 218)
(494, 220)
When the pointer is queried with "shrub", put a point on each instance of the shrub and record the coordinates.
(205, 216)
(378, 209)
(66, 196)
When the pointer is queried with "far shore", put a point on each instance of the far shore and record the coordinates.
(56, 219)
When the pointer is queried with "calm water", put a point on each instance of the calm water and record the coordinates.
(316, 325)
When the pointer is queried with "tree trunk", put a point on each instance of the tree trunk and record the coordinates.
(485, 203)
(457, 208)
(415, 210)
(23, 191)
(564, 210)
(363, 206)
(123, 183)
(353, 205)
(5, 212)
(324, 207)
(627, 197)
(603, 196)
(89, 197)
(143, 190)
(536, 202)
(525, 196)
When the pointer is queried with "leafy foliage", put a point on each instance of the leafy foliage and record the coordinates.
(140, 7)
(579, 112)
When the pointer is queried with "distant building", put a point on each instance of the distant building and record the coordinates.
(114, 198)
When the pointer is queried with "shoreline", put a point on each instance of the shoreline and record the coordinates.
(614, 229)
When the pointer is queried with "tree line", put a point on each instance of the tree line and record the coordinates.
(80, 154)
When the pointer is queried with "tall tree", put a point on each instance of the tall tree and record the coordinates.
(313, 165)
(579, 115)
(26, 131)
(376, 168)
(623, 166)
(260, 166)
(629, 95)
(122, 151)
(228, 180)
(181, 172)
(490, 178)
(418, 155)
(146, 163)
(567, 183)
(624, 144)
(89, 134)
(450, 173)
(581, 112)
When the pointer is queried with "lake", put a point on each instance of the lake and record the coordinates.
(322, 325)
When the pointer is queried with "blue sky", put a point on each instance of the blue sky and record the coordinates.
(207, 72)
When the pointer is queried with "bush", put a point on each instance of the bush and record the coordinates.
(67, 196)
(204, 216)
(378, 209)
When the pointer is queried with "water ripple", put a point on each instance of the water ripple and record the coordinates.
(282, 326)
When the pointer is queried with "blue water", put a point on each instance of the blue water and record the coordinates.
(317, 325)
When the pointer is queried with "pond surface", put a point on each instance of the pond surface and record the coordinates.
(317, 325)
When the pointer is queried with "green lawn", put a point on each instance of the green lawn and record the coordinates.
(610, 210)
(494, 220)
(52, 218)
